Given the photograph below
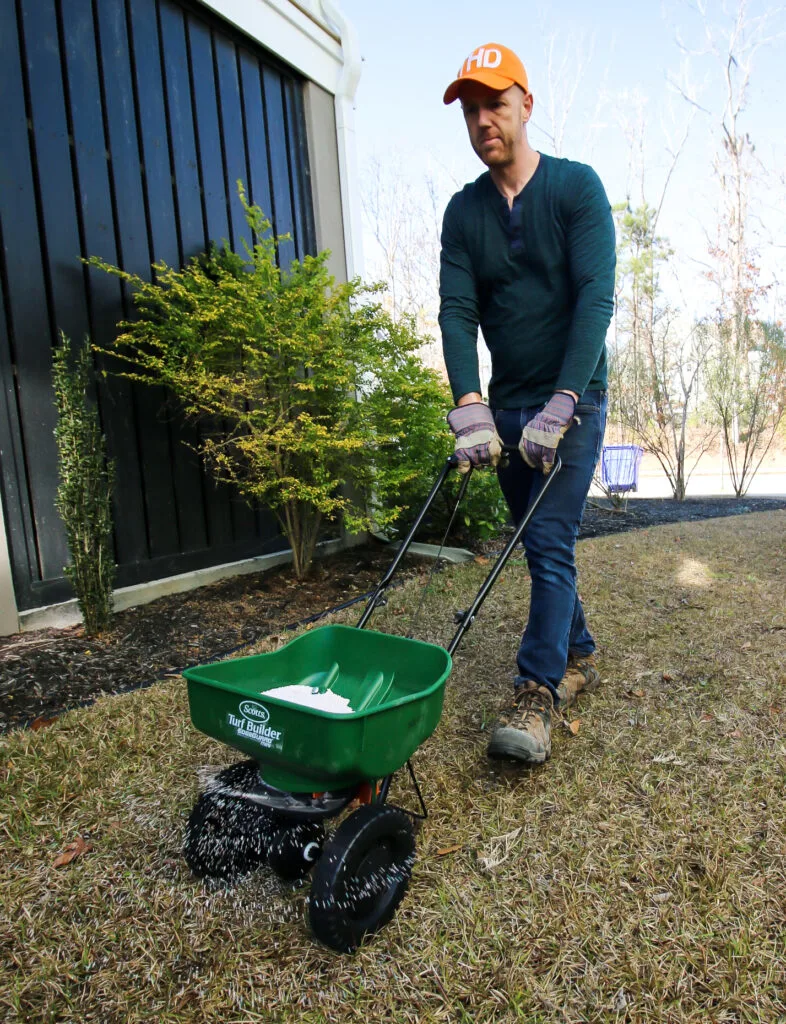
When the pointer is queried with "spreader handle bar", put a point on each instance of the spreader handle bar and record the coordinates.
(376, 597)
(451, 462)
(469, 616)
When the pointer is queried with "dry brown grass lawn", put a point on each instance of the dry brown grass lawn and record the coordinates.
(639, 876)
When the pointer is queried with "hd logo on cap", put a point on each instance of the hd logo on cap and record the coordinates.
(483, 57)
(494, 66)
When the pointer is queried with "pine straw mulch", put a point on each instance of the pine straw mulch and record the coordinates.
(45, 671)
(638, 876)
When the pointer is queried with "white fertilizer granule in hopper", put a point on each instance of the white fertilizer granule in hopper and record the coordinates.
(309, 697)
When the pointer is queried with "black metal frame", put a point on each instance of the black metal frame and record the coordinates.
(469, 616)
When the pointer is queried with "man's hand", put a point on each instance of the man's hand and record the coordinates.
(540, 437)
(477, 441)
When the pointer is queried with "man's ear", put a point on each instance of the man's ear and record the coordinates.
(527, 103)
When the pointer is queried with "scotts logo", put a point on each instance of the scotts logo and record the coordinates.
(484, 57)
(254, 725)
(255, 712)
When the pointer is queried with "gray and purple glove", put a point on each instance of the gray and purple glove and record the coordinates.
(477, 440)
(540, 437)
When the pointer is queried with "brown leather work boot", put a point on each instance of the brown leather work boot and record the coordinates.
(523, 731)
(581, 676)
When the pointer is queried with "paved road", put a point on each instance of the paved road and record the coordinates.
(711, 478)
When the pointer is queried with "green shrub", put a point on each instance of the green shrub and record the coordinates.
(428, 441)
(85, 486)
(304, 387)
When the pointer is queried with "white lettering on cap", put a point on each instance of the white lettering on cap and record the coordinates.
(475, 58)
(481, 58)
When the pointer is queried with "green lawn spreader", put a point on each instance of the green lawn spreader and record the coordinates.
(309, 762)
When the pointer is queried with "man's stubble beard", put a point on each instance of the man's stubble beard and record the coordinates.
(501, 160)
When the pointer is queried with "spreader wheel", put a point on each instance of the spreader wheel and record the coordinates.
(227, 836)
(362, 876)
(295, 849)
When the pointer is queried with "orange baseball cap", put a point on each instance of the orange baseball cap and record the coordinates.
(493, 65)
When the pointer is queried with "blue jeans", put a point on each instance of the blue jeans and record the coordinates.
(556, 622)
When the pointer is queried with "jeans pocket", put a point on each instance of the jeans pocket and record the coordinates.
(586, 409)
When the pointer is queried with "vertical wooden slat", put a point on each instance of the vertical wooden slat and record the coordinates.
(256, 133)
(104, 292)
(193, 235)
(185, 169)
(61, 251)
(258, 181)
(50, 126)
(235, 169)
(25, 311)
(123, 140)
(161, 214)
(133, 252)
(214, 202)
(300, 174)
(154, 438)
(295, 182)
(283, 220)
(190, 487)
(214, 190)
(259, 189)
(233, 135)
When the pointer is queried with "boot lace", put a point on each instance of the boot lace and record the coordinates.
(531, 701)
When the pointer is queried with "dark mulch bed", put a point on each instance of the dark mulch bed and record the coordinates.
(600, 518)
(46, 671)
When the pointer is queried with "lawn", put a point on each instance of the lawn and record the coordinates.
(640, 875)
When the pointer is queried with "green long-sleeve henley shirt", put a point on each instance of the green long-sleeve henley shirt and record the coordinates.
(538, 279)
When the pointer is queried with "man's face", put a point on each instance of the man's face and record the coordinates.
(495, 121)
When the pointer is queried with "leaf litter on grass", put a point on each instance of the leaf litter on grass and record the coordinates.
(646, 880)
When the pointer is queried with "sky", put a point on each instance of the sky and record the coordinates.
(621, 57)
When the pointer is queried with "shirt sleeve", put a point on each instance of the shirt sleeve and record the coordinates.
(591, 245)
(458, 305)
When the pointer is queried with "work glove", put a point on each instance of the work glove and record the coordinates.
(540, 437)
(477, 440)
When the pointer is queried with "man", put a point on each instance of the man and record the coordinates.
(528, 255)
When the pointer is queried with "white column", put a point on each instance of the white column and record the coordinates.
(9, 616)
(345, 135)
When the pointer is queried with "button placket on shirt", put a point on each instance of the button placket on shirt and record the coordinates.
(514, 224)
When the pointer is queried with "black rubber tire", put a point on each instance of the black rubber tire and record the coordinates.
(295, 849)
(361, 877)
(227, 836)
